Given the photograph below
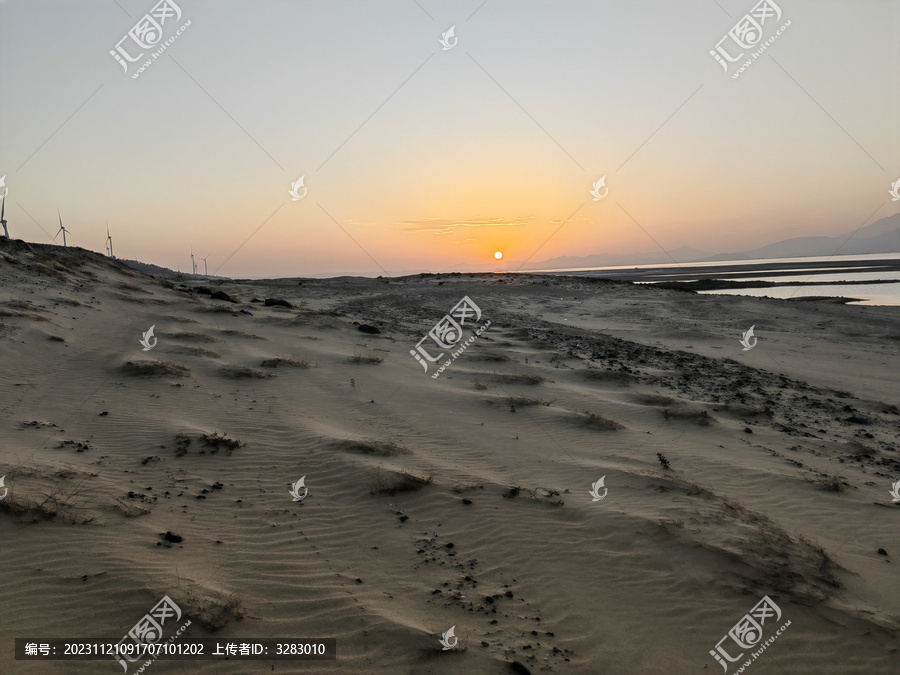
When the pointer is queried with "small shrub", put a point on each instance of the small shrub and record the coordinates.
(663, 461)
(182, 443)
(216, 441)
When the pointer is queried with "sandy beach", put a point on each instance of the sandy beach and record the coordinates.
(462, 500)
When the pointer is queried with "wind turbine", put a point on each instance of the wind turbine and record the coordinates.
(205, 273)
(109, 243)
(193, 264)
(3, 206)
(61, 229)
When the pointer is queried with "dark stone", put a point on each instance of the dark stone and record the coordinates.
(748, 430)
(450, 545)
(366, 328)
(203, 290)
(858, 419)
(217, 486)
(436, 591)
(484, 644)
(508, 594)
(277, 302)
(403, 519)
(222, 295)
(358, 580)
(488, 599)
(467, 501)
(881, 551)
(104, 413)
(244, 311)
(256, 300)
(169, 536)
(520, 668)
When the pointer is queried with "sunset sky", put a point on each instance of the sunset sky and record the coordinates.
(421, 158)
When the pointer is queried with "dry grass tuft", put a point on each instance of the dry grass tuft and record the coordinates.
(600, 423)
(24, 304)
(523, 401)
(366, 357)
(369, 446)
(241, 372)
(130, 509)
(827, 483)
(656, 399)
(274, 363)
(239, 333)
(60, 502)
(155, 369)
(216, 441)
(215, 612)
(539, 494)
(182, 443)
(392, 482)
(518, 378)
(196, 337)
(701, 417)
(193, 351)
(615, 376)
(488, 356)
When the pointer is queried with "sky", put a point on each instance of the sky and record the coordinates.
(417, 157)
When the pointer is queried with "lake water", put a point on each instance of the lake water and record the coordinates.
(849, 269)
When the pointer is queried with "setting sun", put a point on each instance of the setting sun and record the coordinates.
(498, 255)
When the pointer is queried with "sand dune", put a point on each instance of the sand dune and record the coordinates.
(458, 501)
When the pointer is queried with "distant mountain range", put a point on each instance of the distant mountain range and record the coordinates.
(882, 236)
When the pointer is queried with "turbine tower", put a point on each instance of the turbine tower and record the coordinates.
(61, 229)
(193, 264)
(109, 247)
(3, 206)
(205, 273)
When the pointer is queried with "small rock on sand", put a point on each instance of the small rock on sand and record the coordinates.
(222, 295)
